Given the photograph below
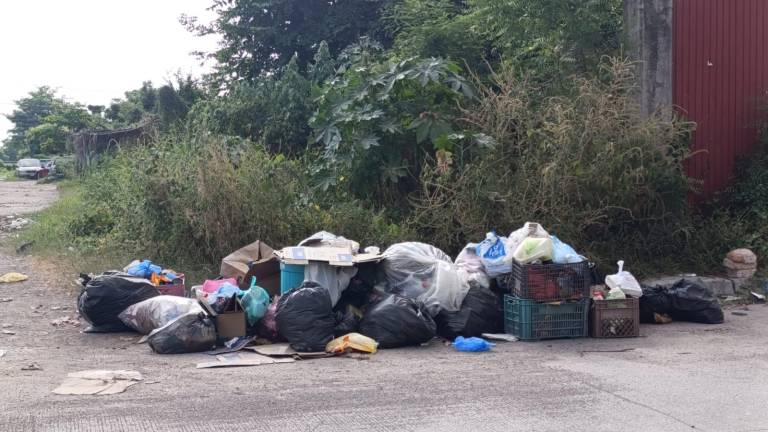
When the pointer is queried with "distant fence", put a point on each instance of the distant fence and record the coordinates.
(89, 145)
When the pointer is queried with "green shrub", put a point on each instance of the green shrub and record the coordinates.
(591, 168)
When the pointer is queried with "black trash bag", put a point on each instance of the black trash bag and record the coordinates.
(105, 296)
(481, 312)
(655, 300)
(347, 322)
(305, 317)
(692, 301)
(398, 321)
(686, 300)
(191, 332)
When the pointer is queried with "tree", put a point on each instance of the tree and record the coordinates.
(261, 36)
(42, 122)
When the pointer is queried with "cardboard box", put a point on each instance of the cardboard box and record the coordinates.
(256, 259)
(335, 256)
(230, 323)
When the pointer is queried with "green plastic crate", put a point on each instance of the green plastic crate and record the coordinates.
(530, 320)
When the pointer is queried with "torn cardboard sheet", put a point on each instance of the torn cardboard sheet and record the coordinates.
(98, 382)
(285, 350)
(242, 359)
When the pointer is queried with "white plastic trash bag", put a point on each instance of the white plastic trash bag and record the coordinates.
(493, 254)
(156, 312)
(420, 271)
(624, 281)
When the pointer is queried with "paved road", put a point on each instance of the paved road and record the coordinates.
(676, 377)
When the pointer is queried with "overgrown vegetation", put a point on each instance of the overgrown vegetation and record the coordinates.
(431, 120)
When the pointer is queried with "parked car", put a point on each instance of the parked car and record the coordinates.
(31, 168)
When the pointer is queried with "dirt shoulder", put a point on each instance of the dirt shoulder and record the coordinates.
(20, 197)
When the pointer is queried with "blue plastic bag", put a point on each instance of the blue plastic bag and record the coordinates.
(144, 269)
(563, 253)
(493, 254)
(472, 344)
(226, 290)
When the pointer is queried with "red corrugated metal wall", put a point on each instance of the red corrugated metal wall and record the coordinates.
(720, 64)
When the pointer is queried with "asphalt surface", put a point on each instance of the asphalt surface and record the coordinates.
(675, 377)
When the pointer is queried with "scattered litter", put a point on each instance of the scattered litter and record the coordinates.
(500, 337)
(7, 332)
(16, 224)
(60, 322)
(233, 345)
(2, 353)
(24, 246)
(31, 367)
(13, 277)
(127, 338)
(472, 344)
(6, 325)
(740, 313)
(5, 299)
(98, 382)
(242, 359)
(758, 297)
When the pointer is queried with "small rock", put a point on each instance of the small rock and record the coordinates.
(742, 256)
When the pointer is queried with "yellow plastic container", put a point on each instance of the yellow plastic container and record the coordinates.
(354, 341)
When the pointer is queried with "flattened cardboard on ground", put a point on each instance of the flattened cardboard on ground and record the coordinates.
(335, 256)
(98, 382)
(284, 350)
(242, 359)
(256, 259)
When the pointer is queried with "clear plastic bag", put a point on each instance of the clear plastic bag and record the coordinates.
(420, 271)
(470, 267)
(534, 249)
(563, 253)
(156, 312)
(335, 279)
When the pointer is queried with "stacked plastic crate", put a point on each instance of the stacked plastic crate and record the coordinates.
(547, 301)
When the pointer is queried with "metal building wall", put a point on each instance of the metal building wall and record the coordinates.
(720, 81)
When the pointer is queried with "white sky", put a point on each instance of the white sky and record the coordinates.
(94, 50)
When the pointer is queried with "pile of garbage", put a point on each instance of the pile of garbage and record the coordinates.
(328, 295)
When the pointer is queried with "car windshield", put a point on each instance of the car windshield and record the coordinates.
(29, 163)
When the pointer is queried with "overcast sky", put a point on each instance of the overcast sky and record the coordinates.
(93, 50)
